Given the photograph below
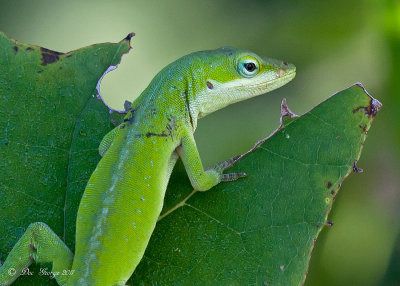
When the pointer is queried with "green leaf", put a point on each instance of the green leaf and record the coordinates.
(51, 124)
(260, 230)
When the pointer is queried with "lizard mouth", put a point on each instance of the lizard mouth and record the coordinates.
(270, 84)
(283, 76)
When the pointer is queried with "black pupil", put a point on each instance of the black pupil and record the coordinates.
(250, 66)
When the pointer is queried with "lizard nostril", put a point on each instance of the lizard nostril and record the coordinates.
(285, 63)
(209, 85)
(281, 72)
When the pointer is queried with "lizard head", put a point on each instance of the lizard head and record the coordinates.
(228, 75)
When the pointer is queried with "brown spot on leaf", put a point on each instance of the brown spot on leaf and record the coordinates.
(372, 108)
(363, 128)
(29, 49)
(127, 105)
(15, 48)
(332, 192)
(129, 37)
(356, 169)
(329, 185)
(49, 56)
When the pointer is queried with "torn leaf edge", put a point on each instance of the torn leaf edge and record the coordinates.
(370, 111)
(111, 68)
(374, 106)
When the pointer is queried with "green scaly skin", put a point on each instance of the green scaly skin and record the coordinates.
(124, 196)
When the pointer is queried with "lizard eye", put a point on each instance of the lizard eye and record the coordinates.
(248, 67)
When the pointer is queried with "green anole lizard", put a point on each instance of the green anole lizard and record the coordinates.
(124, 195)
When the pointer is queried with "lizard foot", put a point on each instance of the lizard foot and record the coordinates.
(221, 166)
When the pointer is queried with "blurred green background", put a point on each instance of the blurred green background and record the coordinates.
(333, 43)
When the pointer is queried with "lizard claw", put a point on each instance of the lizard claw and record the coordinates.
(221, 166)
(227, 163)
(232, 177)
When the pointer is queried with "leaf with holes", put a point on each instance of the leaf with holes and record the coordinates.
(51, 124)
(259, 230)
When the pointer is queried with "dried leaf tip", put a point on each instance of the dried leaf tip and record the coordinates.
(285, 111)
(374, 104)
(130, 35)
(356, 169)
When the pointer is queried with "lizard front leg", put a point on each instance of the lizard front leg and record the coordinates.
(40, 244)
(203, 180)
